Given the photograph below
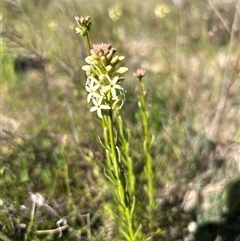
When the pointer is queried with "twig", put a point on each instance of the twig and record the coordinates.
(52, 231)
(226, 83)
(219, 16)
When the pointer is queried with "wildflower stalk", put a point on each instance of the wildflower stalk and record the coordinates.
(123, 195)
(146, 144)
(107, 96)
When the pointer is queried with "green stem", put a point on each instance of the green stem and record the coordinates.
(67, 185)
(125, 149)
(88, 44)
(31, 220)
(130, 224)
(120, 182)
(113, 147)
(147, 151)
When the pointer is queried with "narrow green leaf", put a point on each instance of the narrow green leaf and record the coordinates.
(4, 237)
(103, 145)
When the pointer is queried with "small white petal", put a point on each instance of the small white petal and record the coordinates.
(105, 107)
(115, 80)
(99, 113)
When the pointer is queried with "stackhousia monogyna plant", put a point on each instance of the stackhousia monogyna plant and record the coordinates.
(107, 96)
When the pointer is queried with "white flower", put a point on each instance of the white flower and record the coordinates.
(119, 99)
(92, 90)
(98, 106)
(112, 86)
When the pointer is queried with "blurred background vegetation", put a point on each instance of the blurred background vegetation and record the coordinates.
(49, 141)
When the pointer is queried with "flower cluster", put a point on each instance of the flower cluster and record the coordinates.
(139, 74)
(104, 79)
(84, 25)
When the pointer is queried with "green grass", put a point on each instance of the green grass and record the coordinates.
(49, 139)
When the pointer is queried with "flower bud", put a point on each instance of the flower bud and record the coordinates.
(102, 77)
(121, 58)
(108, 68)
(110, 55)
(139, 74)
(84, 25)
(103, 59)
(122, 70)
(89, 59)
(86, 68)
(114, 60)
